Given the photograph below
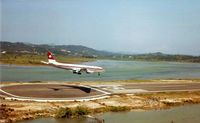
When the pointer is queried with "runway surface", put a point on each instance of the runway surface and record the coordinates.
(151, 87)
(164, 87)
(70, 92)
(51, 92)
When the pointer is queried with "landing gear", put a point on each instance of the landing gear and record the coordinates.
(98, 74)
(74, 72)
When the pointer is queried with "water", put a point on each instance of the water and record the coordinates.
(115, 70)
(52, 120)
(183, 114)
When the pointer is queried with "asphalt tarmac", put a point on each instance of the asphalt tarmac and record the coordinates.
(164, 87)
(50, 92)
(151, 87)
(66, 92)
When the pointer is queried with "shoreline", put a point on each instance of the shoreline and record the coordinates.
(90, 60)
(13, 110)
(87, 60)
(97, 82)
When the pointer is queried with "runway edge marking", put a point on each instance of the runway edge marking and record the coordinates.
(88, 98)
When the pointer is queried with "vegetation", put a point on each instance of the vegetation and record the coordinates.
(163, 57)
(21, 53)
(119, 108)
(67, 50)
(79, 111)
(112, 109)
(33, 59)
(64, 112)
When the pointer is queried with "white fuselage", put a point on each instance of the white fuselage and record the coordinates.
(77, 68)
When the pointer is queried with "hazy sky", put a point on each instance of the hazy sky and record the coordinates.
(140, 26)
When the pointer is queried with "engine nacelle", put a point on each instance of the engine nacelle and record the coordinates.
(75, 72)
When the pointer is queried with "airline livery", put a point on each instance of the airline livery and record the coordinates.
(75, 68)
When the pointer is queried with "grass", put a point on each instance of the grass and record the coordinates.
(79, 111)
(112, 109)
(32, 59)
(119, 108)
(64, 112)
(164, 95)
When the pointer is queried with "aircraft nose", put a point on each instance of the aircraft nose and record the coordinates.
(102, 69)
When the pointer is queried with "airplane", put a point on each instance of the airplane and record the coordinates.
(75, 68)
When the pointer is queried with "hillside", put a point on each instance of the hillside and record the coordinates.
(34, 51)
(69, 50)
(163, 57)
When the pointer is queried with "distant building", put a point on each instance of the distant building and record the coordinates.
(63, 50)
(129, 56)
(24, 51)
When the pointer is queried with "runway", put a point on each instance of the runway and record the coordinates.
(151, 87)
(51, 92)
(70, 92)
(164, 87)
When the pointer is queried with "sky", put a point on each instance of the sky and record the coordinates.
(131, 26)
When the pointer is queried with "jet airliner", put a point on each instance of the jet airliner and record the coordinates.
(75, 68)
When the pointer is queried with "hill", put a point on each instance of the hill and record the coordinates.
(27, 51)
(69, 50)
(163, 57)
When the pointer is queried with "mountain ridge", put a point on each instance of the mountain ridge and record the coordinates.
(83, 51)
(73, 50)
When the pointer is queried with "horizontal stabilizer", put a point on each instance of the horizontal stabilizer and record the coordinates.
(44, 62)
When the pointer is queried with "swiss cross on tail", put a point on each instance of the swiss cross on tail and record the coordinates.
(75, 68)
(50, 56)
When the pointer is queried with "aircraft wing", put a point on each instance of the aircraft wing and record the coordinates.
(44, 62)
(80, 70)
(89, 71)
(76, 70)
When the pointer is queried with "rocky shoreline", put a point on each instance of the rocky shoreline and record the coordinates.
(13, 110)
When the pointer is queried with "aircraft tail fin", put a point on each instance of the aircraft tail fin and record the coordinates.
(51, 58)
